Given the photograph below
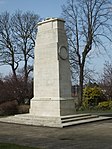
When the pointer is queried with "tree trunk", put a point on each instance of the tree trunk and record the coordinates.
(81, 78)
(25, 77)
(14, 73)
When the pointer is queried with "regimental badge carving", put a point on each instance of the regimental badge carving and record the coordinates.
(63, 53)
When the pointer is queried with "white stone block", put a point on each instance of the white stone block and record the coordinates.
(52, 79)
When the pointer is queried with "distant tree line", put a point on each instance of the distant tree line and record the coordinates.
(106, 80)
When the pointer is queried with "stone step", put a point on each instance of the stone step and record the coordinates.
(79, 118)
(62, 121)
(74, 116)
(83, 121)
(28, 119)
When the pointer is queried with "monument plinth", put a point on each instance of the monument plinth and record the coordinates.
(52, 79)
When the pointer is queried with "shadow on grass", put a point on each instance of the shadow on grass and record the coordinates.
(14, 146)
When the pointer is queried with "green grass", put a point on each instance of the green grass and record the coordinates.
(14, 146)
(95, 111)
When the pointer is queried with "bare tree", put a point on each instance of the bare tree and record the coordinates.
(25, 30)
(106, 79)
(88, 24)
(8, 50)
(17, 41)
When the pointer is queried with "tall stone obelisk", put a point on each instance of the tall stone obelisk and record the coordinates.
(52, 104)
(52, 79)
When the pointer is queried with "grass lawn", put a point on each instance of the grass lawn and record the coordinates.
(93, 111)
(13, 146)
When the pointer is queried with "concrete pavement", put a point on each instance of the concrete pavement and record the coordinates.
(96, 135)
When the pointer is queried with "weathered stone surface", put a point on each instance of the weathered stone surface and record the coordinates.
(52, 79)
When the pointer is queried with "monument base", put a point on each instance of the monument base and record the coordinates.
(60, 122)
(45, 112)
(28, 119)
(52, 107)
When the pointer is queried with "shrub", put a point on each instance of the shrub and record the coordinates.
(105, 105)
(23, 109)
(92, 96)
(8, 108)
(12, 89)
(110, 104)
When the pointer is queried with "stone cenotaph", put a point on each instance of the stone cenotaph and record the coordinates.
(52, 79)
(52, 104)
(52, 100)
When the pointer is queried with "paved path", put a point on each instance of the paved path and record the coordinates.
(89, 136)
